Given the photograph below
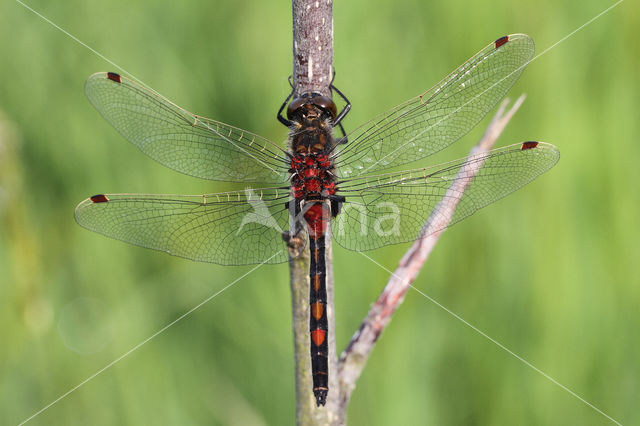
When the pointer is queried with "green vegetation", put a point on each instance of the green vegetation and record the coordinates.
(551, 272)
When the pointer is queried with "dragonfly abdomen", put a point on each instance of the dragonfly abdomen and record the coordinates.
(316, 218)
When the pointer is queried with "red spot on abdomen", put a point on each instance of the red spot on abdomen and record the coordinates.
(100, 198)
(499, 42)
(318, 336)
(316, 282)
(316, 217)
(317, 310)
(114, 77)
(529, 145)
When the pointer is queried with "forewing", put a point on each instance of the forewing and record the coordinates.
(183, 141)
(233, 228)
(434, 120)
(393, 208)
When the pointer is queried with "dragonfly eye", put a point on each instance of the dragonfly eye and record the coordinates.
(294, 106)
(313, 98)
(326, 104)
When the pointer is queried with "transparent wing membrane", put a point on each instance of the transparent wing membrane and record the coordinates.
(183, 141)
(232, 228)
(392, 208)
(245, 227)
(434, 120)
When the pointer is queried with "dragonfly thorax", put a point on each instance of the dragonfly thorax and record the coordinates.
(312, 176)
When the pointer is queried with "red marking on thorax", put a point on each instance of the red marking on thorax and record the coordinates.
(311, 172)
(312, 185)
(499, 42)
(529, 145)
(318, 336)
(330, 187)
(323, 161)
(296, 162)
(311, 176)
(100, 198)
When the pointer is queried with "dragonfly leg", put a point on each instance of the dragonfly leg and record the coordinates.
(284, 105)
(343, 139)
(346, 108)
(336, 204)
(343, 113)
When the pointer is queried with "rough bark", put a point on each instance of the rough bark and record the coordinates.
(312, 46)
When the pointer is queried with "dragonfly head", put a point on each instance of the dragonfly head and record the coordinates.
(311, 106)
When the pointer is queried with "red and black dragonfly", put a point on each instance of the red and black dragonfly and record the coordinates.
(317, 179)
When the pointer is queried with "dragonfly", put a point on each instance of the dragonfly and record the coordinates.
(319, 186)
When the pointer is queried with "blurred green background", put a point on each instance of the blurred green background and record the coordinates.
(551, 272)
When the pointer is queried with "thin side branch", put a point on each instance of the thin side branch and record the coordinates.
(355, 356)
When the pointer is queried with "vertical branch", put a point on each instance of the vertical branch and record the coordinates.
(312, 46)
(312, 71)
(299, 281)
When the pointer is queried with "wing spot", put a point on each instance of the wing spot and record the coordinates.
(100, 198)
(529, 145)
(114, 77)
(502, 40)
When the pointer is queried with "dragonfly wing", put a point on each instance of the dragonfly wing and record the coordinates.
(183, 141)
(393, 208)
(233, 228)
(434, 120)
